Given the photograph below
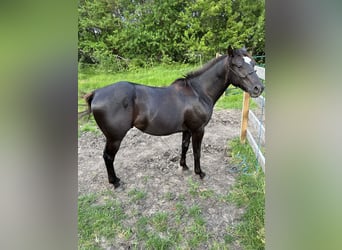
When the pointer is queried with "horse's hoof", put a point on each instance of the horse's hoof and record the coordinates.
(121, 186)
(116, 184)
(202, 174)
(185, 168)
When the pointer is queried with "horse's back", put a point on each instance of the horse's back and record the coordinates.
(112, 94)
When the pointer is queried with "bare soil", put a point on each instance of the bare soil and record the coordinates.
(151, 164)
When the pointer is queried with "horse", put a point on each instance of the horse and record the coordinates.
(186, 105)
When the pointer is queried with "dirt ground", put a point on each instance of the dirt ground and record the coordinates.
(151, 163)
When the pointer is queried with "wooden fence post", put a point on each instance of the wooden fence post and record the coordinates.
(244, 117)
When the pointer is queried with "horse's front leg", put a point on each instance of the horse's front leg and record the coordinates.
(197, 137)
(185, 146)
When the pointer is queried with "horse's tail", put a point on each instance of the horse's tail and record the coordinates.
(88, 98)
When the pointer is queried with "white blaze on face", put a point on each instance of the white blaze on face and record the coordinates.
(247, 60)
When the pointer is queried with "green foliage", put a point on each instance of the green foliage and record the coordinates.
(139, 33)
(214, 24)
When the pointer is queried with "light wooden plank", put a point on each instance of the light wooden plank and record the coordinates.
(244, 117)
(256, 150)
(260, 71)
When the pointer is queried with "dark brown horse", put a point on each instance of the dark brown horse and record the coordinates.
(185, 106)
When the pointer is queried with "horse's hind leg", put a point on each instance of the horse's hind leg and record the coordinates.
(197, 137)
(109, 153)
(185, 146)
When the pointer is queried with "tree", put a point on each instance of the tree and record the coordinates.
(214, 24)
(168, 30)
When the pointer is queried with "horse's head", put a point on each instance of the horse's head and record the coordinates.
(242, 73)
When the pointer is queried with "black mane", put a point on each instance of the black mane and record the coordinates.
(207, 66)
(200, 71)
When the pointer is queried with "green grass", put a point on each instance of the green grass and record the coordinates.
(196, 191)
(136, 195)
(98, 221)
(161, 75)
(102, 223)
(248, 192)
(232, 99)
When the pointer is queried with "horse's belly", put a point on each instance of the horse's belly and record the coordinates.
(162, 131)
(159, 112)
(159, 125)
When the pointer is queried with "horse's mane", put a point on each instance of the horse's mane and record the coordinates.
(207, 66)
(200, 71)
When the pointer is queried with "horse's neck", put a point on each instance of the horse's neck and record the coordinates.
(213, 82)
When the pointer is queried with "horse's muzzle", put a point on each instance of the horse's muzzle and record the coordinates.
(257, 90)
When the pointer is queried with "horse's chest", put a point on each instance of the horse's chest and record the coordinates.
(197, 116)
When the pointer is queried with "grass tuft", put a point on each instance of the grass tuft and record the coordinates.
(136, 195)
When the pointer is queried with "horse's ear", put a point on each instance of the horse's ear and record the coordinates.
(230, 51)
(244, 49)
